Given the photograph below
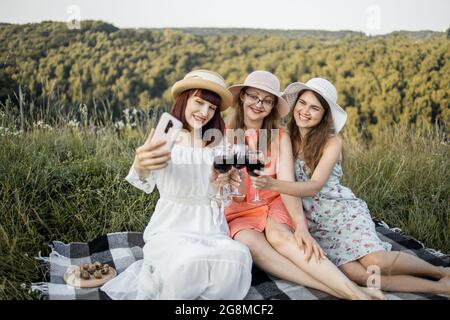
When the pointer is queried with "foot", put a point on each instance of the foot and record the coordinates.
(445, 271)
(445, 285)
(374, 294)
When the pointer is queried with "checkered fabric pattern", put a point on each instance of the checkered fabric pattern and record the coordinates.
(123, 248)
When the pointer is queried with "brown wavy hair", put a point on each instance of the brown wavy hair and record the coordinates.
(312, 145)
(179, 107)
(272, 121)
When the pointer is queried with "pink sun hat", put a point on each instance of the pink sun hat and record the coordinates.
(266, 81)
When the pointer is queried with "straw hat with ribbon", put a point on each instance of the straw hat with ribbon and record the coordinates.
(204, 79)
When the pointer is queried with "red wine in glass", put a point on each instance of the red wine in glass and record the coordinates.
(239, 161)
(223, 159)
(222, 164)
(251, 167)
(255, 162)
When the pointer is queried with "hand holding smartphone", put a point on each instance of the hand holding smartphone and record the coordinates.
(167, 129)
(155, 152)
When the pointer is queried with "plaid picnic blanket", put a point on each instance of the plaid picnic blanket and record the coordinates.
(123, 248)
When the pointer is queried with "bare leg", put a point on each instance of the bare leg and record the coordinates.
(281, 237)
(401, 263)
(398, 283)
(277, 265)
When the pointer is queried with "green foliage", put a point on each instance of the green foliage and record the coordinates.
(399, 78)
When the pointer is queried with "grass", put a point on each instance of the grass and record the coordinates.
(67, 183)
(63, 184)
(404, 178)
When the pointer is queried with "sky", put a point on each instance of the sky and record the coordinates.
(368, 16)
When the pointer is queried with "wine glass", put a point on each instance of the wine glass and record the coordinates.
(255, 161)
(223, 160)
(239, 155)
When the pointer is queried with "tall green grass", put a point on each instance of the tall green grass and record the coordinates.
(404, 178)
(67, 183)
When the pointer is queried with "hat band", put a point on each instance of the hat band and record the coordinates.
(296, 91)
(208, 77)
(263, 86)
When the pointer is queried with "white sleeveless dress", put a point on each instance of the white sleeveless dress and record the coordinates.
(188, 253)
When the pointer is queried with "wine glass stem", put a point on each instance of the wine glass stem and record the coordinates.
(240, 178)
(256, 195)
(219, 193)
(221, 208)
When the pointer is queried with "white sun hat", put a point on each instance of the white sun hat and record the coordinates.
(327, 90)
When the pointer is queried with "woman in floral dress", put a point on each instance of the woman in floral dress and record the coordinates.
(338, 220)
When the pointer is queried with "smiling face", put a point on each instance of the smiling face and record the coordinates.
(257, 103)
(308, 111)
(198, 111)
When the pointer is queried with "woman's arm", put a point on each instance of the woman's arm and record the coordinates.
(294, 204)
(312, 187)
(286, 173)
(145, 183)
(148, 158)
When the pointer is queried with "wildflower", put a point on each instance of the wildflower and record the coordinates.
(84, 114)
(42, 125)
(119, 125)
(83, 109)
(73, 124)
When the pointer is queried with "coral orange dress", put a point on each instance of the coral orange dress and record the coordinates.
(244, 215)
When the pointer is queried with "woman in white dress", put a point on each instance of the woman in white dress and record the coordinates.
(188, 253)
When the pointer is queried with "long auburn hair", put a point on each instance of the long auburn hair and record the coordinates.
(179, 107)
(271, 121)
(311, 146)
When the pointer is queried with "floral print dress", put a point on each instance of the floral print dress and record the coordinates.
(338, 220)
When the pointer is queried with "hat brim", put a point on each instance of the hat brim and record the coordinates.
(282, 105)
(337, 112)
(187, 84)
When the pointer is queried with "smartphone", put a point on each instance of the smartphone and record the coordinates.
(167, 129)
